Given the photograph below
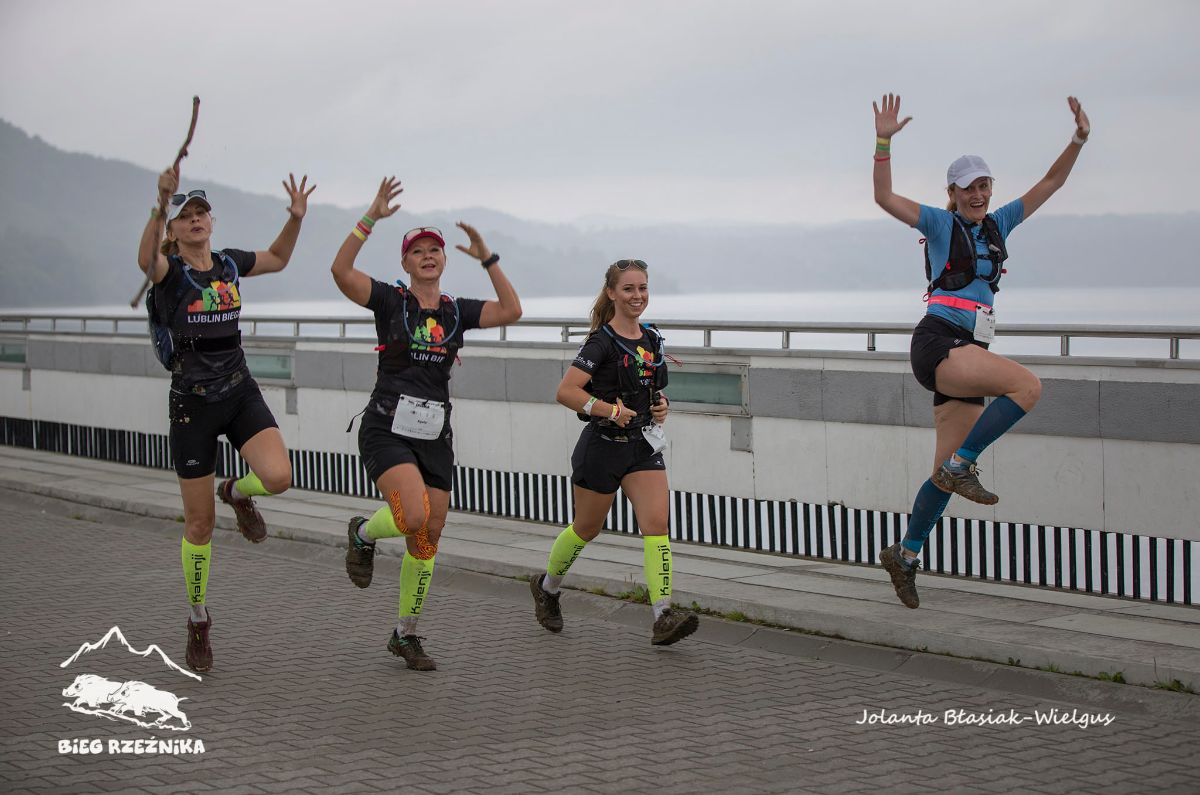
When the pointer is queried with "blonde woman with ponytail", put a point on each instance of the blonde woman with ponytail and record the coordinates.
(965, 248)
(615, 383)
(196, 302)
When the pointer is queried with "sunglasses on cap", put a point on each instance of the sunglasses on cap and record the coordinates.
(626, 264)
(183, 198)
(413, 234)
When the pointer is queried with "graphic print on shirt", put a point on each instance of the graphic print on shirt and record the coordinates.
(428, 334)
(218, 302)
(645, 359)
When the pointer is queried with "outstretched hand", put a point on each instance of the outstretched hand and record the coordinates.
(382, 207)
(478, 249)
(168, 182)
(887, 121)
(299, 196)
(1083, 127)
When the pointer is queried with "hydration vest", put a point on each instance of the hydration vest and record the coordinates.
(627, 366)
(395, 350)
(960, 268)
(160, 317)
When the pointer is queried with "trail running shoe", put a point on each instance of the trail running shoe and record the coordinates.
(409, 647)
(904, 578)
(199, 650)
(360, 556)
(545, 605)
(964, 481)
(673, 626)
(249, 521)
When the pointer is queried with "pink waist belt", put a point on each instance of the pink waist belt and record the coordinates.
(957, 303)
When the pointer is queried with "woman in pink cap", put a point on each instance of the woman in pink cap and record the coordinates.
(964, 255)
(405, 439)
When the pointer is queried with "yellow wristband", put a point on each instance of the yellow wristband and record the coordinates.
(883, 141)
(616, 411)
(358, 234)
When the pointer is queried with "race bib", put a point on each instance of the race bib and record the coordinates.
(985, 323)
(419, 419)
(655, 436)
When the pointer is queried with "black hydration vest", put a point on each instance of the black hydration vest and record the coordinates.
(627, 369)
(960, 269)
(161, 314)
(396, 351)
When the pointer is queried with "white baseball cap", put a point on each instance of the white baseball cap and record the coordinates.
(967, 169)
(180, 200)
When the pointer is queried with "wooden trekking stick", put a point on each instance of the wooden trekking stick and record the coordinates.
(162, 202)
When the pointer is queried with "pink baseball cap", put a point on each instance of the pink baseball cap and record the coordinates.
(413, 235)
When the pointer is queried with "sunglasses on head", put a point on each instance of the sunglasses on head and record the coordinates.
(626, 264)
(182, 198)
(412, 234)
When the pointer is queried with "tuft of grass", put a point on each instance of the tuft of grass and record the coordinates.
(1117, 677)
(736, 615)
(1175, 686)
(638, 595)
(1051, 667)
(179, 518)
(1015, 662)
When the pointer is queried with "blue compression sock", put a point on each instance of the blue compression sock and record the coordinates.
(927, 509)
(994, 422)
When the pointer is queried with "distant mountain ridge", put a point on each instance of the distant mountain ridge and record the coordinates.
(70, 223)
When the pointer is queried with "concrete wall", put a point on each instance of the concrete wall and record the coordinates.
(1110, 447)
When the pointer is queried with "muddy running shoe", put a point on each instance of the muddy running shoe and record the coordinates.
(360, 556)
(673, 626)
(545, 605)
(249, 521)
(963, 480)
(199, 650)
(409, 647)
(904, 578)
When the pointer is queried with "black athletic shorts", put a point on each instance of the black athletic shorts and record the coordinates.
(381, 450)
(196, 424)
(598, 464)
(932, 341)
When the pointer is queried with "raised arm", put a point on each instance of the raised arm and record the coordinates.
(508, 308)
(1056, 177)
(276, 258)
(353, 283)
(150, 259)
(887, 124)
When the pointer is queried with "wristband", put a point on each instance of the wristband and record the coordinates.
(587, 407)
(490, 261)
(358, 234)
(616, 412)
(154, 212)
(1075, 139)
(883, 159)
(880, 141)
(369, 223)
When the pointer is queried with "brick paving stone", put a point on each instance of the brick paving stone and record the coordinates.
(305, 698)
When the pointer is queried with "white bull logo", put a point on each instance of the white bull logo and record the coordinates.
(140, 698)
(91, 690)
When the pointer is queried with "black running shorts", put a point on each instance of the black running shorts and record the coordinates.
(381, 450)
(932, 341)
(599, 464)
(196, 424)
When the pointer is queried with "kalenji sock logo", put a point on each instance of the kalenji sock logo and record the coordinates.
(132, 701)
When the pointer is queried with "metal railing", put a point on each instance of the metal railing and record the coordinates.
(32, 323)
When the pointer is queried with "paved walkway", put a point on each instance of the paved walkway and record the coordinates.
(304, 697)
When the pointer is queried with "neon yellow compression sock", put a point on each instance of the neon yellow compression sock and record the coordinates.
(382, 525)
(250, 486)
(415, 577)
(567, 548)
(657, 566)
(196, 559)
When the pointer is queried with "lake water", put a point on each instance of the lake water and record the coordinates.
(1051, 306)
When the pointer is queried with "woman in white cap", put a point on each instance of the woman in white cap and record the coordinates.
(964, 255)
(405, 439)
(195, 304)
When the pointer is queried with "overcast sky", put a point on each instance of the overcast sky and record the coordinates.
(656, 111)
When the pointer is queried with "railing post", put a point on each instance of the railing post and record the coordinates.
(870, 340)
(707, 338)
(787, 339)
(503, 333)
(296, 329)
(342, 330)
(1174, 347)
(565, 331)
(1064, 345)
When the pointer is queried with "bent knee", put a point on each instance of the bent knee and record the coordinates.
(1030, 392)
(277, 480)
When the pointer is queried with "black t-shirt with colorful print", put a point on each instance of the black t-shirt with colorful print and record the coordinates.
(208, 308)
(617, 374)
(419, 345)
